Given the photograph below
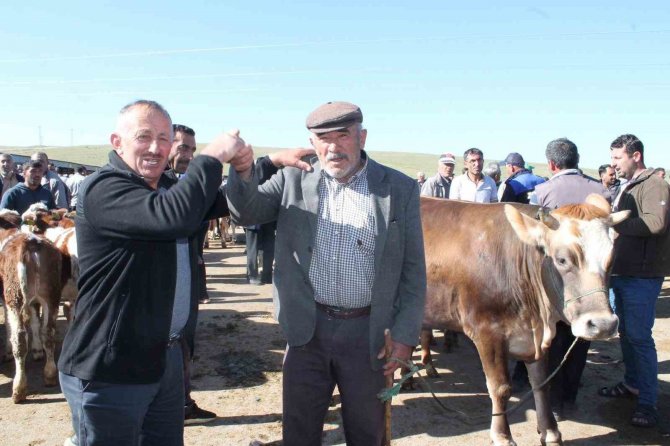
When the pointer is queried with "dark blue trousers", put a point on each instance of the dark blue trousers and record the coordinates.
(106, 414)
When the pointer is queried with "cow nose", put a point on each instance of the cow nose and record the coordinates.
(601, 326)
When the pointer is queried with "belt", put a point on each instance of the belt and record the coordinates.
(343, 313)
(173, 340)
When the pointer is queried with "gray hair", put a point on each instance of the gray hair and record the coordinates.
(492, 170)
(152, 105)
(563, 153)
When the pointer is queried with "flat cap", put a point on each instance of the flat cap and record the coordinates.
(447, 158)
(333, 116)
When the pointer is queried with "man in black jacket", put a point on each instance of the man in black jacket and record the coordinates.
(121, 363)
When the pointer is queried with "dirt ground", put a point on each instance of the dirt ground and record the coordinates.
(237, 374)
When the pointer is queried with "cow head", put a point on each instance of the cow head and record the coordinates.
(578, 247)
(37, 219)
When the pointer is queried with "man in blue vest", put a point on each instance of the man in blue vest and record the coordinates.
(520, 181)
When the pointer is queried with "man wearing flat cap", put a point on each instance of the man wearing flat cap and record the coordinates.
(438, 185)
(520, 181)
(350, 263)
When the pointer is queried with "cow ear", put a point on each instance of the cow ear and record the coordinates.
(529, 230)
(617, 217)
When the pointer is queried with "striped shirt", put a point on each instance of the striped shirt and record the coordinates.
(342, 267)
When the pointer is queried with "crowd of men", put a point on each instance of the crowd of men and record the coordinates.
(350, 249)
(637, 275)
(36, 181)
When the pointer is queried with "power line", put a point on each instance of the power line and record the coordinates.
(324, 43)
(180, 77)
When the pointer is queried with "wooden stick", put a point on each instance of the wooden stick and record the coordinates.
(388, 348)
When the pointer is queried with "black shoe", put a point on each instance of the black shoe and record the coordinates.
(195, 415)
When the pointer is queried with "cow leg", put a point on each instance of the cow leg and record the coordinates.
(8, 344)
(48, 335)
(426, 355)
(36, 346)
(493, 354)
(546, 423)
(19, 340)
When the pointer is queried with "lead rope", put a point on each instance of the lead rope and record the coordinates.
(386, 394)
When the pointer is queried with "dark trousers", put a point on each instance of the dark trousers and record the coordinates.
(565, 384)
(202, 272)
(252, 238)
(338, 354)
(187, 360)
(106, 414)
(267, 245)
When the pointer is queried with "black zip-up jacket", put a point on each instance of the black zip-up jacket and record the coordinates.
(126, 236)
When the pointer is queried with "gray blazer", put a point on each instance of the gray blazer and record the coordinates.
(292, 198)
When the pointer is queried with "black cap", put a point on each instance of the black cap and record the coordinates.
(515, 159)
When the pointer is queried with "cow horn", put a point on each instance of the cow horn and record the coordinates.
(599, 201)
(618, 217)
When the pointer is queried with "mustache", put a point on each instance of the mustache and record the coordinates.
(336, 156)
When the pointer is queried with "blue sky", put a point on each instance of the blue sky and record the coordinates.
(430, 76)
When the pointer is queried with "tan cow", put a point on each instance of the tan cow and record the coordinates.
(505, 277)
(30, 269)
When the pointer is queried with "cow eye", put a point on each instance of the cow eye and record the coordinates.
(561, 261)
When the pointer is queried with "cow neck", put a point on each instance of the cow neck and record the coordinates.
(552, 292)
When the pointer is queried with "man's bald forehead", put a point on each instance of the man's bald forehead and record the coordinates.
(128, 114)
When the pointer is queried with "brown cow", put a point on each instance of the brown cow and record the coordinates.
(30, 277)
(505, 278)
(58, 227)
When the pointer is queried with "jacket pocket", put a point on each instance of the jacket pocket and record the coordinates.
(114, 331)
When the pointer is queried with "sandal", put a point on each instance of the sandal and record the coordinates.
(620, 390)
(644, 416)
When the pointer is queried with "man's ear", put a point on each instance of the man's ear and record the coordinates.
(364, 136)
(115, 140)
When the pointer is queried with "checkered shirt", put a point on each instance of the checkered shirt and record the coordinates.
(342, 268)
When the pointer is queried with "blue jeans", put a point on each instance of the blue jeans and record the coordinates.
(635, 299)
(129, 414)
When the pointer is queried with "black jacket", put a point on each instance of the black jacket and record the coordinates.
(126, 235)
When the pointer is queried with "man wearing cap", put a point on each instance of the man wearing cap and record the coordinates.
(20, 197)
(520, 181)
(473, 185)
(53, 182)
(438, 185)
(350, 263)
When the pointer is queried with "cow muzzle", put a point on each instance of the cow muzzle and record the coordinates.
(596, 326)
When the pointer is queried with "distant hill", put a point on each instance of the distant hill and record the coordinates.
(408, 163)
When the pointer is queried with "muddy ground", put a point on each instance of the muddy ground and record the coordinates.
(238, 375)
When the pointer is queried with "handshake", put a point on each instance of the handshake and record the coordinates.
(228, 147)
